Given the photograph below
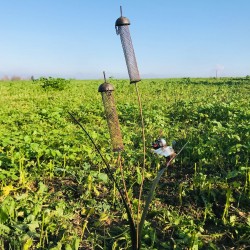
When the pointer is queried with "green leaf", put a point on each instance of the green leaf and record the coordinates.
(68, 247)
(103, 177)
(3, 215)
(139, 175)
(76, 243)
(4, 229)
(58, 247)
(232, 174)
(27, 139)
(149, 199)
(58, 153)
(28, 244)
(42, 188)
(32, 226)
(248, 221)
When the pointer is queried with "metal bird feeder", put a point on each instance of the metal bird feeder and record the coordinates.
(122, 29)
(106, 89)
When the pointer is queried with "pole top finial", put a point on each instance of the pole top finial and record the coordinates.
(121, 21)
(104, 87)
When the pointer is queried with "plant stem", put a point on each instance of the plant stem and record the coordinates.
(124, 185)
(133, 233)
(143, 167)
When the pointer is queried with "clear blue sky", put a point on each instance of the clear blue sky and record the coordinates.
(77, 39)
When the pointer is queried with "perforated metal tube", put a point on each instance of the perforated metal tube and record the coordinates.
(106, 90)
(122, 29)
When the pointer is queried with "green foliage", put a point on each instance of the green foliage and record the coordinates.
(54, 193)
(52, 83)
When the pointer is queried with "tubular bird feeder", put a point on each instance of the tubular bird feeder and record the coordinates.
(106, 90)
(122, 29)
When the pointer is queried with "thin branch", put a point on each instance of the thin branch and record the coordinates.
(124, 185)
(144, 162)
(111, 176)
(177, 154)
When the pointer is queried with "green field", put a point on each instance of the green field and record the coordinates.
(55, 193)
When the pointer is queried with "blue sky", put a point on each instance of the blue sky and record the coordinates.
(77, 39)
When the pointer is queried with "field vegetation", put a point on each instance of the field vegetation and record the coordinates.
(55, 194)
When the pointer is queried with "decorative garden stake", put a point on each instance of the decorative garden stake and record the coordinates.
(106, 90)
(122, 29)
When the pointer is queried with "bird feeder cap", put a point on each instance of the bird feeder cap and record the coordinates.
(105, 87)
(121, 21)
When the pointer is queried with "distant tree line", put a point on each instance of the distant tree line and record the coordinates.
(15, 78)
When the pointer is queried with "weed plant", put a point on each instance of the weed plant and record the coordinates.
(52, 83)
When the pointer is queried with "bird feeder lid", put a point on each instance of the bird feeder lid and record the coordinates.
(104, 87)
(121, 21)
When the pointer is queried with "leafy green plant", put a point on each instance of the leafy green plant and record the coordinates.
(53, 83)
